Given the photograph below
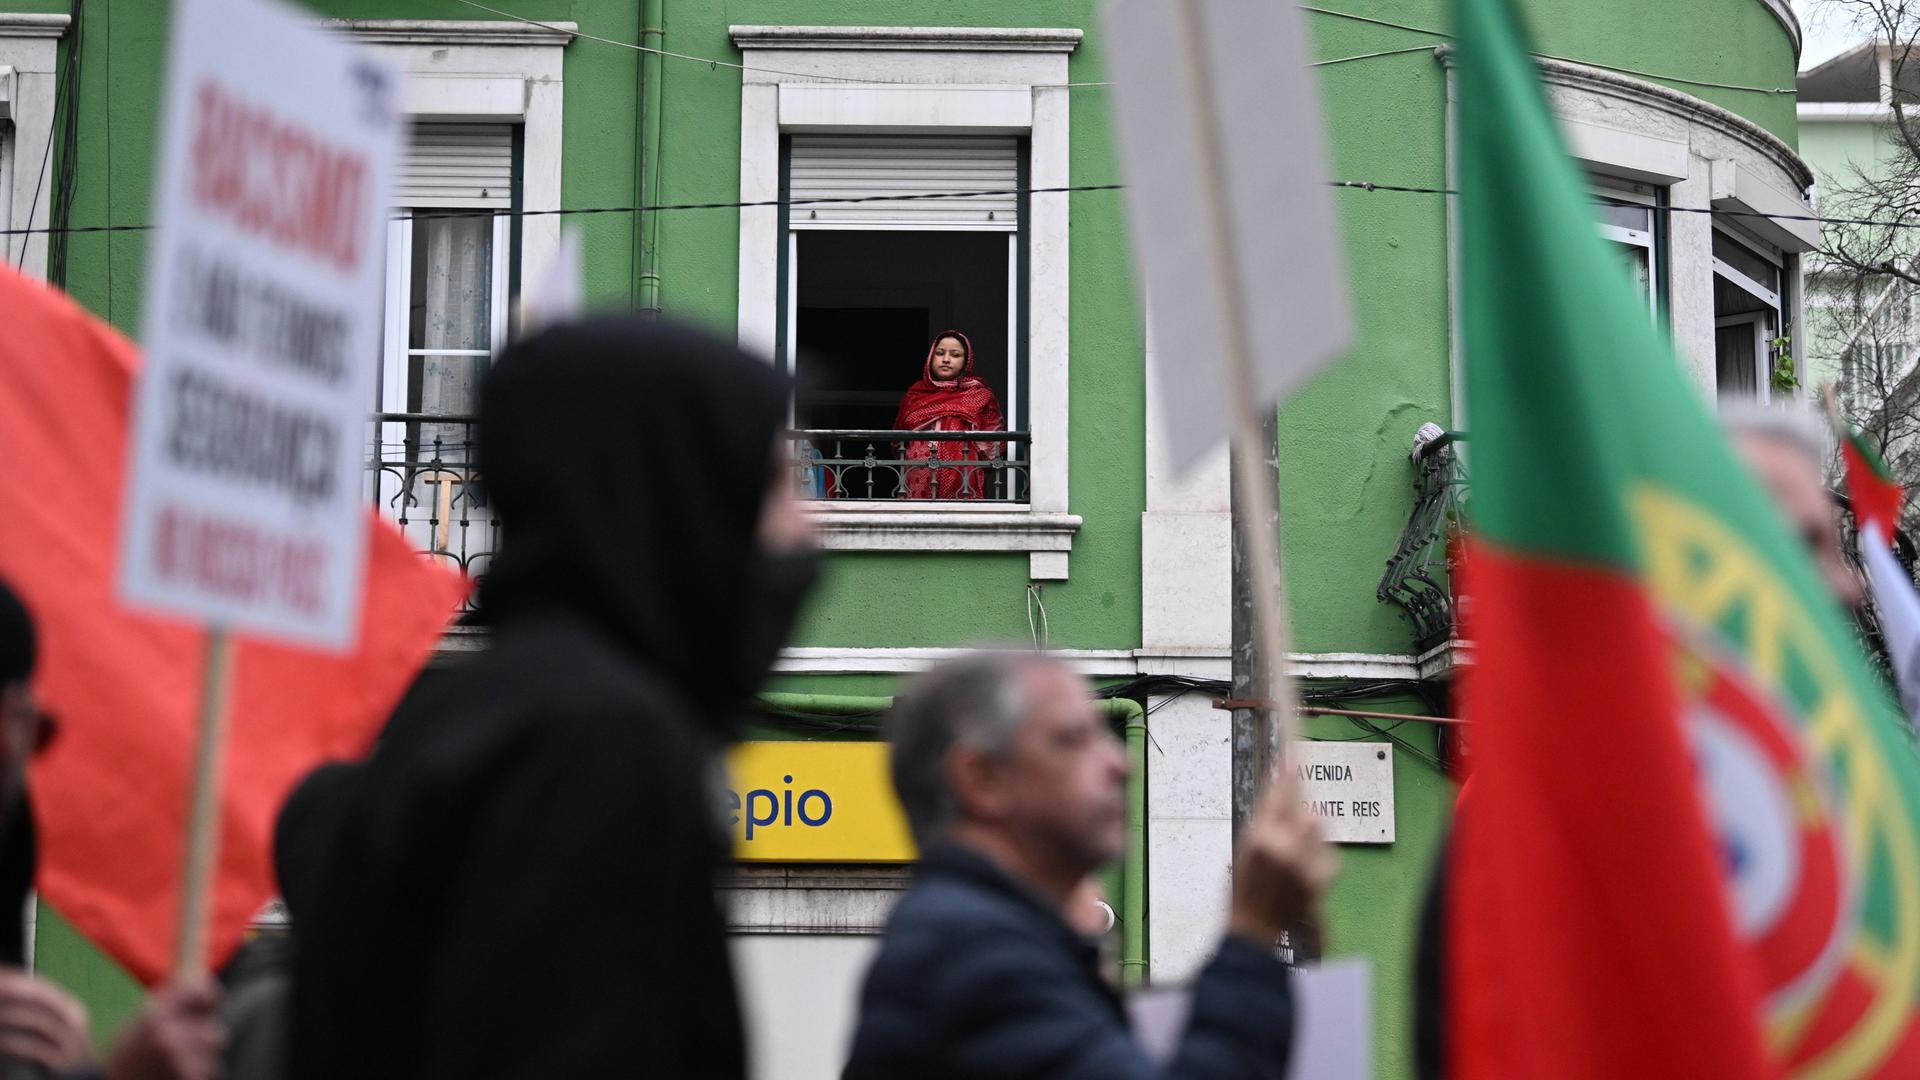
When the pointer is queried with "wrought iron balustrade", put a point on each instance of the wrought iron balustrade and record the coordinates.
(1419, 578)
(422, 473)
(1866, 617)
(912, 466)
(1420, 574)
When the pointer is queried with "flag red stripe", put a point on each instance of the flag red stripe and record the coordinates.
(1874, 497)
(1590, 935)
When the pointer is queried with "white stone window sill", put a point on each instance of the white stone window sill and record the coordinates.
(879, 526)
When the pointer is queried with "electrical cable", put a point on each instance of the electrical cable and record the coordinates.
(715, 64)
(64, 188)
(1563, 59)
(46, 153)
(1043, 630)
(735, 205)
(46, 166)
(1372, 55)
(1368, 186)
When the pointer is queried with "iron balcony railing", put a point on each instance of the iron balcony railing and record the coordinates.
(1867, 616)
(912, 466)
(422, 474)
(1420, 574)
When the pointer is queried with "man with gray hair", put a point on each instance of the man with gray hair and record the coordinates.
(1786, 451)
(1013, 785)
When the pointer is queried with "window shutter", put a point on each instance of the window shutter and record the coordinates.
(457, 165)
(829, 167)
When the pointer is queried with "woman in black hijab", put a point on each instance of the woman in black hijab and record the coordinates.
(518, 881)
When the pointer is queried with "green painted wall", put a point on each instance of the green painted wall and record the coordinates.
(1374, 910)
(1346, 479)
(1834, 148)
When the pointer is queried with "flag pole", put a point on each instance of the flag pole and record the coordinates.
(1260, 626)
(203, 807)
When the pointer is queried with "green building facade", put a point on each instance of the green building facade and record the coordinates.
(1084, 542)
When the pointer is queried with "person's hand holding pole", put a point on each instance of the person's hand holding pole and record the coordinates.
(42, 1024)
(1283, 866)
(176, 1037)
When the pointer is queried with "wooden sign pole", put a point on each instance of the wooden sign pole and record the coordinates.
(203, 807)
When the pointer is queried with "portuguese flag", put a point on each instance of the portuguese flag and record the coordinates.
(1693, 847)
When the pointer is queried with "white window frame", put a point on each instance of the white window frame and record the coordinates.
(1771, 297)
(1704, 156)
(1016, 86)
(1016, 368)
(1646, 240)
(477, 71)
(1762, 349)
(29, 54)
(397, 351)
(1775, 301)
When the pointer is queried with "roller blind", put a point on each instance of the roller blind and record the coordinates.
(457, 165)
(830, 167)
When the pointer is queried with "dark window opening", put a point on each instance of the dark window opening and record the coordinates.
(868, 305)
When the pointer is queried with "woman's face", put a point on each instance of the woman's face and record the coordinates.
(949, 358)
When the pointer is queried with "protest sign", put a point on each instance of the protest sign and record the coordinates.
(262, 326)
(242, 507)
(1233, 232)
(1234, 244)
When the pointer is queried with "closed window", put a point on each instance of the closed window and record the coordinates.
(446, 315)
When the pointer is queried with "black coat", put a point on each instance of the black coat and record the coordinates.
(979, 978)
(518, 881)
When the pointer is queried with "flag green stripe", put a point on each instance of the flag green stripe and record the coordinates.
(1553, 331)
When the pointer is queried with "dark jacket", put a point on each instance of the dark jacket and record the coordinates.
(518, 882)
(978, 977)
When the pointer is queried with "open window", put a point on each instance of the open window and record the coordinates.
(882, 252)
(1748, 290)
(448, 254)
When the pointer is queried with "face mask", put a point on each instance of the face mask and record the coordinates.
(777, 588)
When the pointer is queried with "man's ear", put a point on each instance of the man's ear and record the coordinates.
(977, 783)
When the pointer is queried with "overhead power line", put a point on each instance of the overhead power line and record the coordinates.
(714, 63)
(1065, 189)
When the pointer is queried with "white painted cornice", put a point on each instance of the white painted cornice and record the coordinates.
(909, 38)
(453, 31)
(15, 24)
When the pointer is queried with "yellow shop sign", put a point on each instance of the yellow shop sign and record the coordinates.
(815, 802)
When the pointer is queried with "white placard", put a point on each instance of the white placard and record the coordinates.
(1332, 1020)
(244, 504)
(1349, 787)
(1248, 58)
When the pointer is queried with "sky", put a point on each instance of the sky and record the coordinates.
(1826, 30)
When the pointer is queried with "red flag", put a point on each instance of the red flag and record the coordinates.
(111, 793)
(1875, 494)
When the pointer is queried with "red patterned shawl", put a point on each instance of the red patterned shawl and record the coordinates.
(965, 403)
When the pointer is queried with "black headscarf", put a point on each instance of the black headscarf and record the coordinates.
(18, 646)
(19, 649)
(628, 460)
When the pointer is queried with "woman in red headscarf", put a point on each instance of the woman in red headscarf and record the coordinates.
(949, 397)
